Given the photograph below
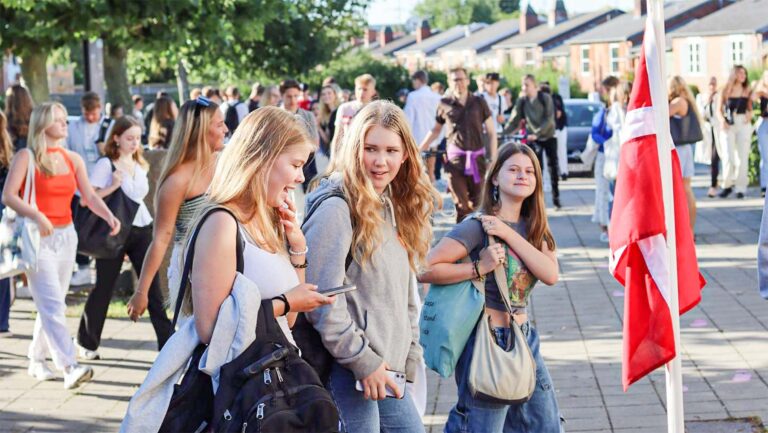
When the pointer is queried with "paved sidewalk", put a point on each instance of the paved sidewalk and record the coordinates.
(725, 340)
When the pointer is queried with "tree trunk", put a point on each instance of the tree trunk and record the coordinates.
(35, 73)
(182, 83)
(116, 75)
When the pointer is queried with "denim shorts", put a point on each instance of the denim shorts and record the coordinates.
(540, 414)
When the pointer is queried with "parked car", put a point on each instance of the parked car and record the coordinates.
(580, 113)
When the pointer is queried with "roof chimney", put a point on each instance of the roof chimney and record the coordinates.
(467, 31)
(423, 32)
(641, 8)
(556, 13)
(385, 36)
(528, 18)
(370, 36)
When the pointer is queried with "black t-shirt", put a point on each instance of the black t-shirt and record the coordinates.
(557, 101)
(470, 233)
(252, 105)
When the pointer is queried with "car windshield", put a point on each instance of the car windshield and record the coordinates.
(581, 114)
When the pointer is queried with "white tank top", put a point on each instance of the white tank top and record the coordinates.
(272, 273)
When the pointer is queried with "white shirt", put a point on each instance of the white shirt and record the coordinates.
(136, 187)
(420, 110)
(273, 274)
(498, 105)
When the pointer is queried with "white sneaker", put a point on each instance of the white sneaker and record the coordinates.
(40, 371)
(76, 374)
(604, 237)
(84, 353)
(81, 277)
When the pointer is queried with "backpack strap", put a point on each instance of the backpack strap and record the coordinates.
(191, 254)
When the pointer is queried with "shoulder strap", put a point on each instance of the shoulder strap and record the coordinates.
(191, 253)
(316, 205)
(501, 280)
(29, 183)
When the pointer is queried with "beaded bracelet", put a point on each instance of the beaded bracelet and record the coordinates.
(301, 266)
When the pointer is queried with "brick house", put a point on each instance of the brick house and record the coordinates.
(710, 46)
(529, 49)
(424, 54)
(612, 48)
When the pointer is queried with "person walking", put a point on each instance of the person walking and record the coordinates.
(164, 114)
(6, 154)
(58, 173)
(255, 97)
(365, 91)
(761, 92)
(685, 128)
(539, 113)
(602, 133)
(18, 109)
(186, 175)
(376, 237)
(735, 114)
(614, 119)
(465, 116)
(514, 212)
(291, 94)
(122, 167)
(561, 129)
(233, 109)
(708, 105)
(326, 122)
(420, 110)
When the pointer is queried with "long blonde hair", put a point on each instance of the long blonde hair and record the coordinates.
(6, 145)
(189, 141)
(42, 117)
(325, 110)
(413, 196)
(678, 88)
(242, 174)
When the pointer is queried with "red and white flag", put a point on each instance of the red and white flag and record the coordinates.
(639, 255)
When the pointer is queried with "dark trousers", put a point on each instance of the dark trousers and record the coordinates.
(439, 161)
(465, 192)
(81, 260)
(5, 303)
(107, 271)
(549, 146)
(714, 168)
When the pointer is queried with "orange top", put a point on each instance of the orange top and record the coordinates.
(54, 194)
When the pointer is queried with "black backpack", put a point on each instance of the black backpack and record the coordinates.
(231, 118)
(306, 336)
(268, 388)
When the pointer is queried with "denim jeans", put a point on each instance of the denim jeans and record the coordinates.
(367, 416)
(5, 303)
(762, 142)
(540, 414)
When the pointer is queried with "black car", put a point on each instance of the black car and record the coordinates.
(580, 113)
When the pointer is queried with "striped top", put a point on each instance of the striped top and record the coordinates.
(187, 211)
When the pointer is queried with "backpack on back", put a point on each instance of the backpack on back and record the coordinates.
(268, 388)
(231, 118)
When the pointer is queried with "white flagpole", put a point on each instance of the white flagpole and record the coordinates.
(659, 97)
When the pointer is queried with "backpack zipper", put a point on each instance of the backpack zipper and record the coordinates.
(279, 375)
(267, 377)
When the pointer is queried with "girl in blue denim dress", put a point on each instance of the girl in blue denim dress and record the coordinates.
(513, 211)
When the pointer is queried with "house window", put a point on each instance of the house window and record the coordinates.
(584, 59)
(737, 51)
(694, 59)
(613, 52)
(529, 57)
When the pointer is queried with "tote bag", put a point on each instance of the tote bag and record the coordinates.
(19, 236)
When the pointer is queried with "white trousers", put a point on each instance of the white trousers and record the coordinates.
(735, 142)
(49, 286)
(562, 149)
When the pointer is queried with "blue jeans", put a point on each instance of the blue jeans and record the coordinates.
(367, 416)
(540, 414)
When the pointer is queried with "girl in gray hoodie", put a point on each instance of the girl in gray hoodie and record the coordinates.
(374, 206)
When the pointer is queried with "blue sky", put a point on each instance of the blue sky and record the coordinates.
(397, 11)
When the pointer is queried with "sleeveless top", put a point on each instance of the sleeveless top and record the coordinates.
(53, 194)
(187, 211)
(763, 107)
(272, 273)
(738, 105)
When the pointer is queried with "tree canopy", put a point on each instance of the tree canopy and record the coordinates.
(444, 14)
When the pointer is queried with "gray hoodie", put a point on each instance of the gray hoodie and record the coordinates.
(378, 322)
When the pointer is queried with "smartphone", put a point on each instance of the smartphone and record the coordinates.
(397, 376)
(337, 290)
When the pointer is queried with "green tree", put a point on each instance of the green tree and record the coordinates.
(31, 29)
(445, 14)
(389, 77)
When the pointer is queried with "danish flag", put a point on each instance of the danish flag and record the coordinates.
(639, 255)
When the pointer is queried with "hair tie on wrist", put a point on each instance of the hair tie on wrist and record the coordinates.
(298, 253)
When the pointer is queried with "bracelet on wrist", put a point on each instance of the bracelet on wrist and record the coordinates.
(300, 266)
(479, 276)
(284, 300)
(298, 253)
